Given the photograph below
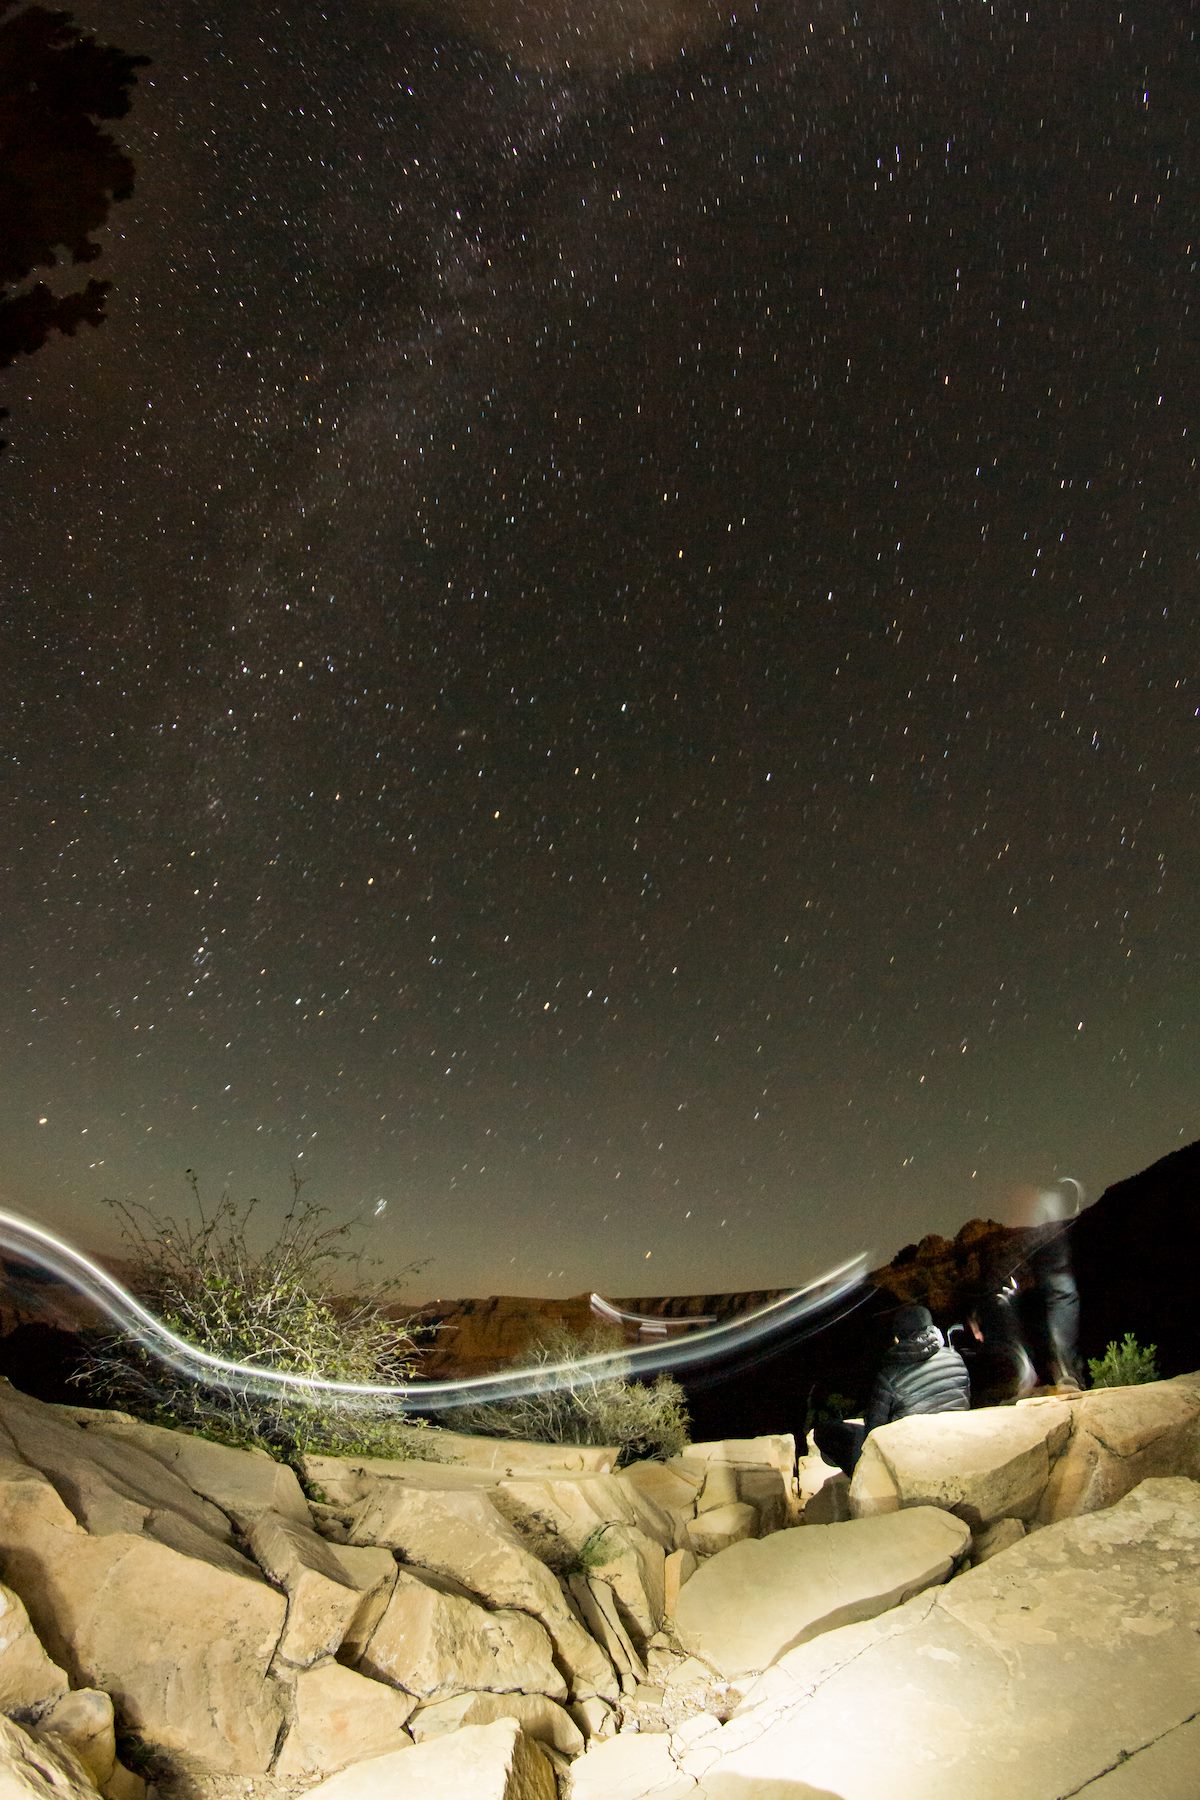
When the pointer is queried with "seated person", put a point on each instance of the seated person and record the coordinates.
(918, 1374)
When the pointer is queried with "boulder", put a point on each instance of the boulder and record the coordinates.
(435, 1639)
(995, 1538)
(115, 1487)
(371, 1572)
(32, 1770)
(244, 1484)
(981, 1466)
(339, 1718)
(720, 1488)
(345, 1482)
(539, 1717)
(635, 1765)
(463, 1536)
(830, 1505)
(764, 1490)
(1121, 1436)
(182, 1645)
(679, 1567)
(29, 1679)
(711, 1532)
(84, 1722)
(776, 1450)
(321, 1600)
(598, 1608)
(742, 1610)
(480, 1762)
(665, 1500)
(593, 1517)
(1071, 1664)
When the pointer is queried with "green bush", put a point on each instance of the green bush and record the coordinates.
(584, 1404)
(274, 1308)
(1124, 1365)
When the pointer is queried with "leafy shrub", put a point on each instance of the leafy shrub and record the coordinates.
(272, 1308)
(582, 1403)
(1124, 1365)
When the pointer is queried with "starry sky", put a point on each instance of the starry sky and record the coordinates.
(601, 656)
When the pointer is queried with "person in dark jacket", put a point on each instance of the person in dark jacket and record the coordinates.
(920, 1373)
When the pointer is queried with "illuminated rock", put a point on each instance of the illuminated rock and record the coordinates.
(321, 1599)
(981, 1466)
(29, 1679)
(1070, 1664)
(371, 1571)
(463, 1536)
(481, 1762)
(712, 1532)
(243, 1483)
(435, 1639)
(742, 1610)
(537, 1716)
(32, 1770)
(338, 1718)
(595, 1518)
(1120, 1437)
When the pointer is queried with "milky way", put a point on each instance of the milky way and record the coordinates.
(606, 654)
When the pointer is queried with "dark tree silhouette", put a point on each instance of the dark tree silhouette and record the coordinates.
(59, 171)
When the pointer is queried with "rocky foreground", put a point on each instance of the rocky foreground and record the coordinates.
(1003, 1603)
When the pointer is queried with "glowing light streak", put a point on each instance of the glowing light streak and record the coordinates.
(36, 1244)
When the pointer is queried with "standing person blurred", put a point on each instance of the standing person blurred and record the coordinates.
(1047, 1280)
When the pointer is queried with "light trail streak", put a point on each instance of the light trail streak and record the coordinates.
(37, 1245)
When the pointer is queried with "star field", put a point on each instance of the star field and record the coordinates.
(603, 650)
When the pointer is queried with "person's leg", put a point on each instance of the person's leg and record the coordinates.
(840, 1442)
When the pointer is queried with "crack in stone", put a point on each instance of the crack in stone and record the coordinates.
(1125, 1756)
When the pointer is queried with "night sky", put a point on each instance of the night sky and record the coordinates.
(602, 653)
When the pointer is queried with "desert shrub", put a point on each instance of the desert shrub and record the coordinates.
(273, 1308)
(578, 1402)
(1124, 1365)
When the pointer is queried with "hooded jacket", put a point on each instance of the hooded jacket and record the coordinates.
(918, 1375)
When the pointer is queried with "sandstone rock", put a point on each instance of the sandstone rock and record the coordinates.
(463, 1536)
(594, 1718)
(812, 1472)
(31, 1770)
(743, 1609)
(830, 1505)
(598, 1606)
(537, 1716)
(29, 1680)
(339, 1718)
(720, 1488)
(481, 1762)
(434, 1639)
(594, 1516)
(776, 1450)
(506, 1457)
(995, 1538)
(1071, 1664)
(672, 1498)
(244, 1484)
(346, 1482)
(84, 1722)
(982, 1466)
(182, 1646)
(321, 1601)
(714, 1531)
(679, 1567)
(764, 1490)
(635, 1765)
(371, 1572)
(1121, 1436)
(112, 1487)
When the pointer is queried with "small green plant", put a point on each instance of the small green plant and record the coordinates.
(272, 1308)
(580, 1401)
(1124, 1365)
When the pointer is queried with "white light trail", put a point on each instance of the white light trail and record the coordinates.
(47, 1251)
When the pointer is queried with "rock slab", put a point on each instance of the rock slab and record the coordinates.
(744, 1609)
